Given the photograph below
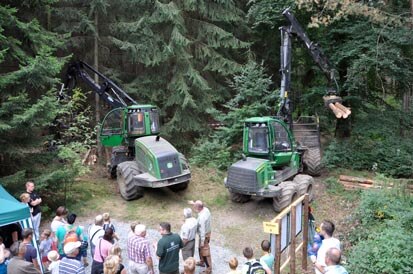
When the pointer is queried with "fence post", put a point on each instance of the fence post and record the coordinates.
(305, 231)
(277, 263)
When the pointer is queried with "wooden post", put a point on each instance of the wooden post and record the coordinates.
(277, 263)
(305, 232)
(293, 218)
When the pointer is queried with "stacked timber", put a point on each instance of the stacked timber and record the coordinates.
(351, 182)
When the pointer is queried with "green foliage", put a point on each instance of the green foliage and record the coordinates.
(254, 97)
(385, 229)
(376, 144)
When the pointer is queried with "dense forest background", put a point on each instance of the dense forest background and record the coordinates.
(203, 63)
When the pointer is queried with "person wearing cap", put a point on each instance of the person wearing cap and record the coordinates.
(188, 233)
(139, 252)
(53, 257)
(204, 233)
(18, 264)
(95, 233)
(69, 264)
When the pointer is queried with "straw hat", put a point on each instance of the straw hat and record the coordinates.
(53, 256)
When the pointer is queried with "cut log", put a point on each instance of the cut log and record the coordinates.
(356, 179)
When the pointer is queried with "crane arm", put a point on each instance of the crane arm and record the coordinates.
(331, 99)
(111, 93)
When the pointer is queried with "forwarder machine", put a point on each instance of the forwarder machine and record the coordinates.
(277, 149)
(140, 157)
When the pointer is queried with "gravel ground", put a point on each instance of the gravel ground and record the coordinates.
(220, 255)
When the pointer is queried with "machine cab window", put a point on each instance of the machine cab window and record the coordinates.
(154, 120)
(281, 139)
(258, 138)
(112, 123)
(136, 123)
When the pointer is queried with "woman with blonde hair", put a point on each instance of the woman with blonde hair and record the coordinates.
(112, 265)
(115, 251)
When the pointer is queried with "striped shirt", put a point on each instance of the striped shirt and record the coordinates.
(71, 266)
(138, 249)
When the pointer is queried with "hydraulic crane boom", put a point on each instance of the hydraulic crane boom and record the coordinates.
(112, 94)
(331, 99)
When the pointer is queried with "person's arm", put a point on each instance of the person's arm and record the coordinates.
(319, 267)
(36, 202)
(2, 247)
(202, 232)
(159, 251)
(265, 266)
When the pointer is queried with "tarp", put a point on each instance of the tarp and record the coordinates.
(11, 210)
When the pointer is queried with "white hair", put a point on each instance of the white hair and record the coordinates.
(187, 212)
(139, 229)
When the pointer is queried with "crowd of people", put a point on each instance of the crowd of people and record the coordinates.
(63, 248)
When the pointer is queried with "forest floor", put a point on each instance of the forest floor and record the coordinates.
(234, 225)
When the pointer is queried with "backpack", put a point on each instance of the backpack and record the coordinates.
(255, 268)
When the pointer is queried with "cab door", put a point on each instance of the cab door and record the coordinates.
(112, 132)
(282, 144)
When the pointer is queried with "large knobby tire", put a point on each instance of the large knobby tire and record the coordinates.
(305, 185)
(312, 161)
(179, 187)
(288, 195)
(239, 198)
(125, 172)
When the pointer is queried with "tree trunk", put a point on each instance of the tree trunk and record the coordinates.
(97, 99)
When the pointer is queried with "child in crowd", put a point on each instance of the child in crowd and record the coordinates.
(233, 264)
(312, 249)
(4, 255)
(45, 247)
(267, 258)
(108, 224)
(25, 199)
(53, 257)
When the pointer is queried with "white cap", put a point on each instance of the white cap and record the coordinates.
(70, 247)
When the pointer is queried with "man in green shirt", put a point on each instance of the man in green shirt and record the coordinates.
(168, 250)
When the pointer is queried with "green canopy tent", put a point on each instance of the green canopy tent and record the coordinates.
(13, 211)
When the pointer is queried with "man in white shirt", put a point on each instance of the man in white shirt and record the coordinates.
(96, 232)
(188, 233)
(327, 230)
(204, 233)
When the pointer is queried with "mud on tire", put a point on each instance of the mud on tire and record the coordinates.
(288, 195)
(179, 187)
(312, 161)
(239, 198)
(305, 184)
(125, 172)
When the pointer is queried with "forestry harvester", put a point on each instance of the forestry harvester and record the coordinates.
(277, 149)
(140, 157)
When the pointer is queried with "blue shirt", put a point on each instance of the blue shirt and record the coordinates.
(71, 266)
(335, 269)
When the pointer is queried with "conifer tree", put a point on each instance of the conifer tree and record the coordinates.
(181, 53)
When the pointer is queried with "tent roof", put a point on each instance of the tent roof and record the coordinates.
(11, 210)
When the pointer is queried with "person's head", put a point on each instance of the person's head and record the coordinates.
(187, 213)
(27, 234)
(189, 265)
(198, 206)
(233, 263)
(164, 228)
(18, 249)
(25, 198)
(61, 211)
(111, 264)
(53, 256)
(327, 228)
(45, 234)
(140, 230)
(71, 218)
(106, 217)
(115, 250)
(333, 256)
(265, 245)
(108, 236)
(71, 249)
(99, 220)
(248, 252)
(30, 186)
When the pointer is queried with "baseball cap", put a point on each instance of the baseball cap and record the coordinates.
(70, 247)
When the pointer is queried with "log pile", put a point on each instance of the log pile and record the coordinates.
(350, 182)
